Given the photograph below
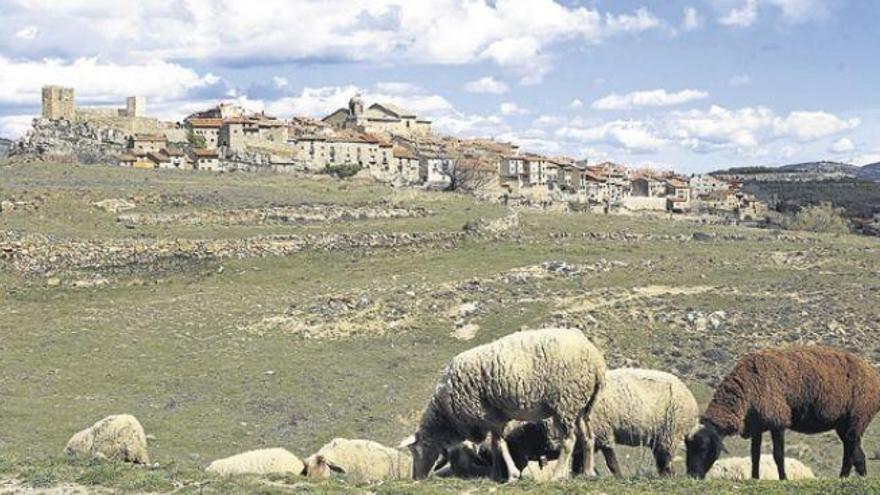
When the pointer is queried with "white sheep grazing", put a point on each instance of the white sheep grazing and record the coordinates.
(528, 376)
(643, 408)
(261, 461)
(119, 437)
(363, 460)
(740, 468)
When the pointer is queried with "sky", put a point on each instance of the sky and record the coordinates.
(693, 85)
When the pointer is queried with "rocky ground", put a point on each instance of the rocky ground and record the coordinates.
(245, 311)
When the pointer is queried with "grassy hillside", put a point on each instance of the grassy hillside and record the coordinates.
(243, 330)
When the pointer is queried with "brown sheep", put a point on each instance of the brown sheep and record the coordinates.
(805, 389)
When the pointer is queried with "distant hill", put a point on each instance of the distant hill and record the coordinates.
(824, 167)
(870, 172)
(821, 168)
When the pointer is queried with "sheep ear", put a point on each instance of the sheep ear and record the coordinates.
(336, 468)
(408, 442)
(724, 449)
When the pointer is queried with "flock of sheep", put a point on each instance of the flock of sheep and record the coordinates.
(541, 403)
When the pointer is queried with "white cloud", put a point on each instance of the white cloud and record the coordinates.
(743, 16)
(576, 103)
(810, 126)
(518, 35)
(14, 126)
(27, 33)
(397, 88)
(642, 20)
(740, 80)
(320, 101)
(487, 84)
(633, 136)
(749, 128)
(793, 12)
(471, 125)
(547, 121)
(511, 108)
(652, 98)
(95, 80)
(842, 145)
(868, 158)
(691, 20)
(280, 82)
(788, 151)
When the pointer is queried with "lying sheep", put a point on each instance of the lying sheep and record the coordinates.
(805, 389)
(262, 461)
(363, 459)
(527, 376)
(740, 468)
(119, 437)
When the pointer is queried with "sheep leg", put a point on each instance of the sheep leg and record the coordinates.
(501, 457)
(778, 437)
(859, 458)
(584, 458)
(848, 451)
(563, 464)
(756, 455)
(663, 460)
(611, 461)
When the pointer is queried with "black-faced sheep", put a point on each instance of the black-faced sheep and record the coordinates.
(805, 389)
(527, 376)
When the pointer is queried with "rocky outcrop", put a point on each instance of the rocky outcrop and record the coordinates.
(36, 253)
(299, 214)
(84, 141)
(6, 146)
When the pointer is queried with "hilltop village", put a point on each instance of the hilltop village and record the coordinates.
(382, 141)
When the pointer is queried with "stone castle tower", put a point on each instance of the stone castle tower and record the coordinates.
(58, 103)
(356, 106)
(135, 106)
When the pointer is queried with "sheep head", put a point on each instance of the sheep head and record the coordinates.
(318, 466)
(704, 447)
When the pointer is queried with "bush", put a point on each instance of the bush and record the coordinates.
(195, 140)
(820, 218)
(342, 171)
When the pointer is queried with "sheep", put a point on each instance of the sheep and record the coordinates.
(118, 437)
(739, 468)
(527, 376)
(637, 407)
(261, 461)
(364, 459)
(805, 389)
(643, 408)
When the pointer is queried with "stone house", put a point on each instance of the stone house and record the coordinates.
(704, 183)
(647, 187)
(436, 169)
(678, 195)
(146, 143)
(380, 118)
(513, 168)
(209, 129)
(407, 164)
(207, 159)
(159, 159)
(178, 159)
(126, 160)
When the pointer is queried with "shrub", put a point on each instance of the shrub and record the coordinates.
(195, 140)
(820, 218)
(342, 171)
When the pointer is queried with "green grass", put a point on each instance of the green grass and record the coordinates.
(174, 343)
